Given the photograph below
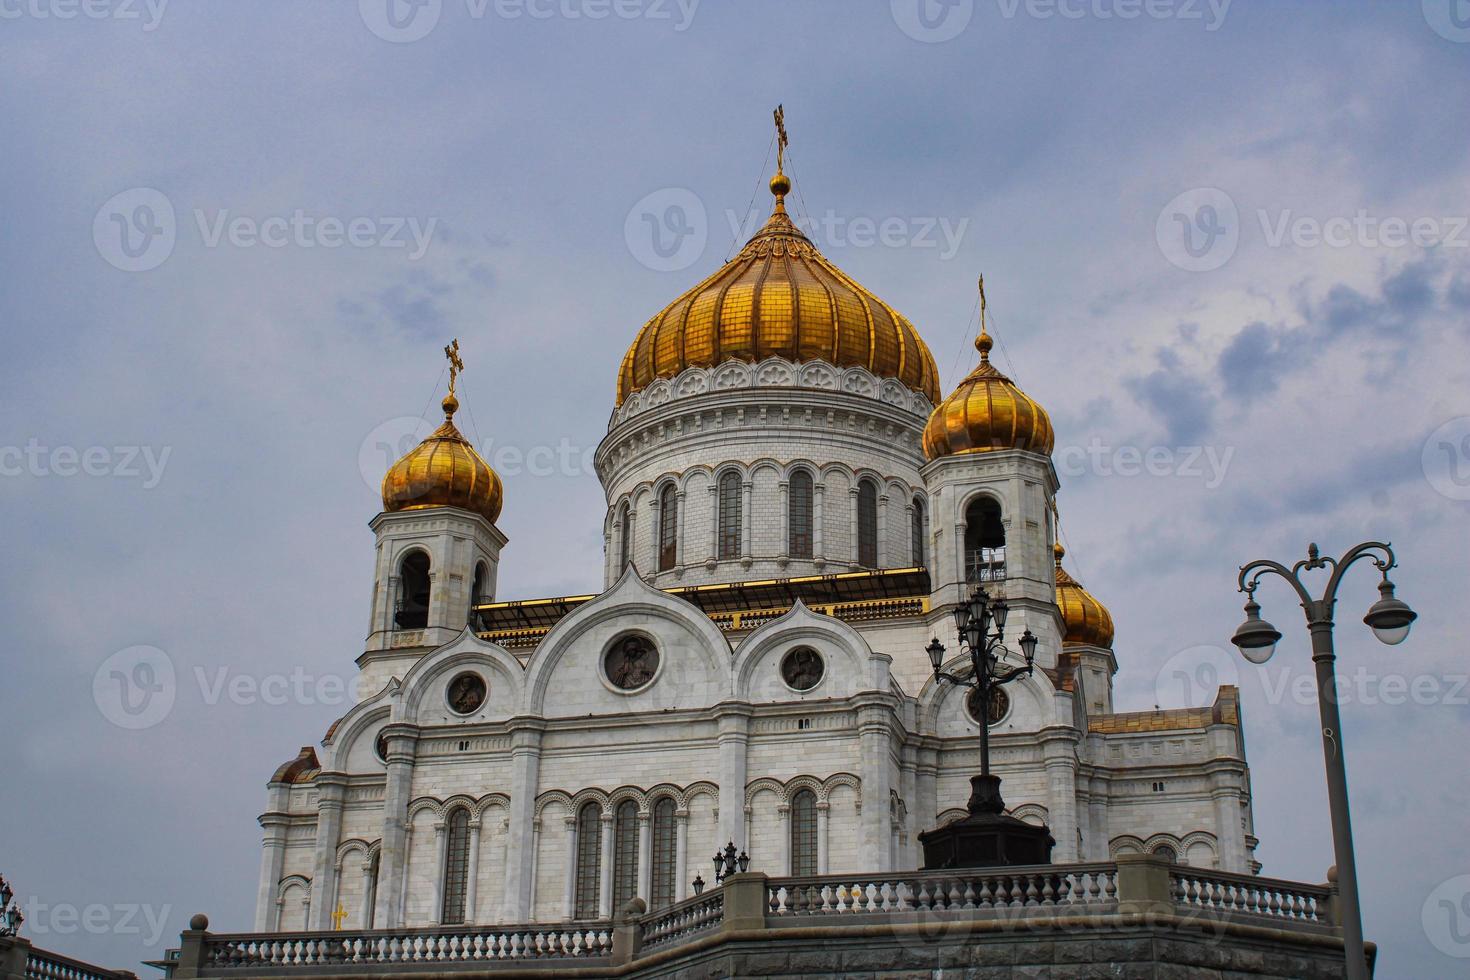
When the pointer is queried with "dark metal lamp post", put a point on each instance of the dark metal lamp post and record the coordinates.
(1390, 619)
(987, 837)
(11, 916)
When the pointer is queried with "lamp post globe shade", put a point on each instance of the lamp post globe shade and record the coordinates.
(935, 650)
(961, 614)
(1389, 617)
(978, 611)
(1028, 646)
(999, 611)
(1255, 637)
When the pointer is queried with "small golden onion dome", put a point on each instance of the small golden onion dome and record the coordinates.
(779, 297)
(1088, 622)
(987, 412)
(444, 471)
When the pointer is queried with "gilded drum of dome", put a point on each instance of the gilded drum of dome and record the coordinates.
(779, 297)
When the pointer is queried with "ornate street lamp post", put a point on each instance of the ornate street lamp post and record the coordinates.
(1390, 619)
(10, 915)
(986, 837)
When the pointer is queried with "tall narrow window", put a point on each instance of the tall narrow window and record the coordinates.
(868, 524)
(804, 833)
(413, 592)
(625, 853)
(663, 854)
(589, 853)
(799, 515)
(456, 866)
(730, 515)
(985, 542)
(625, 537)
(916, 533)
(477, 593)
(668, 528)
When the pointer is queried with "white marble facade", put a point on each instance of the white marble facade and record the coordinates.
(358, 831)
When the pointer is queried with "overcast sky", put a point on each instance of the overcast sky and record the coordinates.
(236, 237)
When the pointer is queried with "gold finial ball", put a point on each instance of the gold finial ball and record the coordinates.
(451, 405)
(983, 343)
(1058, 551)
(780, 185)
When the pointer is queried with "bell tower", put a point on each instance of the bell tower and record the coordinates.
(992, 491)
(438, 549)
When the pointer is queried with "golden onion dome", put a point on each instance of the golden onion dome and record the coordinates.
(1087, 621)
(987, 412)
(779, 297)
(444, 471)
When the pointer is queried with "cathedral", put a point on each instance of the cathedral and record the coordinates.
(794, 511)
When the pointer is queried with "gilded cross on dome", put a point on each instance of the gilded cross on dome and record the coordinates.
(780, 115)
(451, 351)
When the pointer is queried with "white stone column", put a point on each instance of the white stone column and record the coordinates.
(714, 521)
(784, 857)
(1059, 750)
(824, 810)
(783, 494)
(331, 791)
(884, 560)
(1099, 836)
(645, 856)
(1229, 832)
(393, 856)
(745, 518)
(819, 553)
(681, 855)
(441, 852)
(369, 887)
(272, 861)
(733, 741)
(604, 897)
(520, 864)
(472, 887)
(569, 892)
(855, 549)
(681, 521)
(400, 898)
(873, 837)
(535, 858)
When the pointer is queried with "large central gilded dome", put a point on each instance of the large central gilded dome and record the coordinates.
(779, 297)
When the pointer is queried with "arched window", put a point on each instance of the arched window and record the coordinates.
(477, 592)
(804, 833)
(413, 592)
(589, 853)
(1166, 852)
(668, 528)
(625, 537)
(663, 854)
(985, 542)
(456, 866)
(867, 524)
(730, 515)
(916, 533)
(625, 854)
(799, 515)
